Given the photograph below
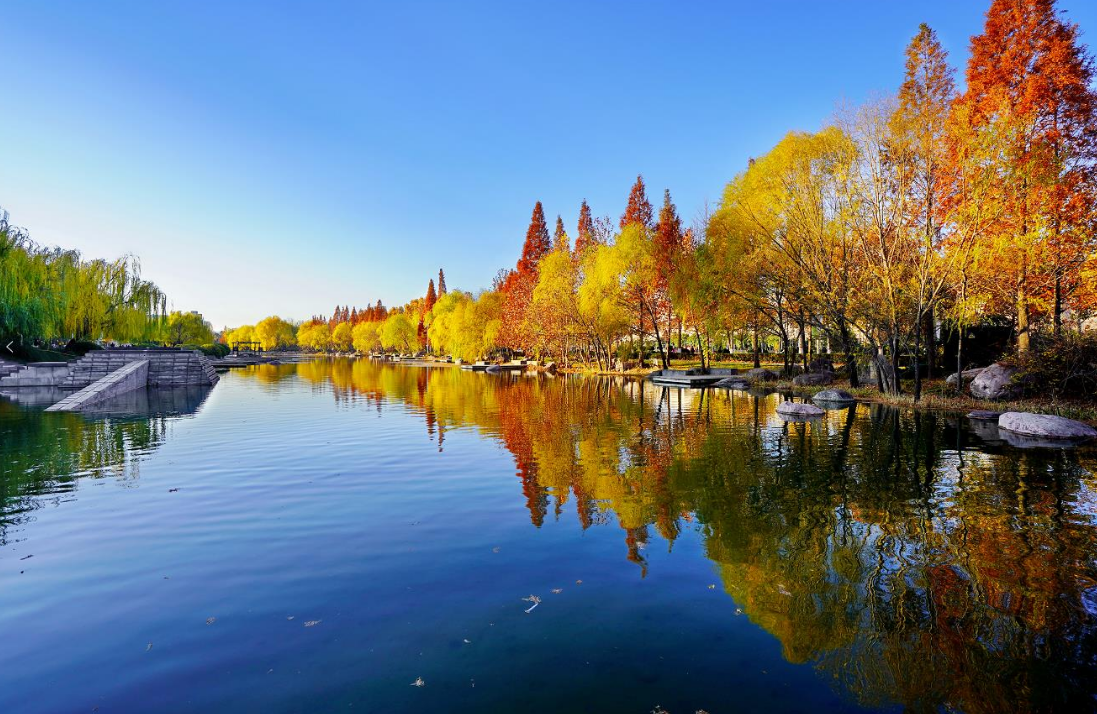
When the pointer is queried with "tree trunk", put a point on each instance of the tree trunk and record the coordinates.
(1058, 305)
(663, 356)
(917, 364)
(1023, 336)
(931, 340)
(757, 356)
(847, 346)
(896, 386)
(960, 361)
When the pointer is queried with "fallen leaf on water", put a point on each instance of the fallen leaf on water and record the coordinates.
(578, 582)
(534, 599)
(418, 682)
(290, 617)
(211, 620)
(712, 586)
(557, 591)
(172, 490)
(313, 623)
(468, 642)
(495, 549)
(149, 647)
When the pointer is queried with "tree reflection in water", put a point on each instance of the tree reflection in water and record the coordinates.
(43, 455)
(902, 555)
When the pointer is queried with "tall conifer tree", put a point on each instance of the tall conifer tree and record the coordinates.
(1029, 82)
(639, 208)
(584, 236)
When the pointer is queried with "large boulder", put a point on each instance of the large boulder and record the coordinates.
(813, 379)
(834, 397)
(760, 374)
(733, 383)
(798, 410)
(968, 374)
(984, 415)
(996, 382)
(1046, 426)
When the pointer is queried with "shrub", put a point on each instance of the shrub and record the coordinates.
(213, 350)
(1063, 367)
(81, 347)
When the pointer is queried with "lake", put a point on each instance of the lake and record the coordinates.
(329, 535)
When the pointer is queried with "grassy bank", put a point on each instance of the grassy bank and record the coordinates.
(936, 394)
(939, 396)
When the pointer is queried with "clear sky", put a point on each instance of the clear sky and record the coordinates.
(279, 158)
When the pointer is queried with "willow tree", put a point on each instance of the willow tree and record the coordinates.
(50, 293)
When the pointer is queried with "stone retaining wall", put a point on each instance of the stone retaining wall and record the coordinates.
(166, 367)
(128, 378)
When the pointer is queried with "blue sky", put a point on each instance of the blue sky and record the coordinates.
(279, 158)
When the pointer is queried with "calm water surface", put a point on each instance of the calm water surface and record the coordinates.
(317, 537)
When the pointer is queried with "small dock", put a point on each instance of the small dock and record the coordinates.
(689, 378)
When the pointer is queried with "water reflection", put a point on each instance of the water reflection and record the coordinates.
(44, 454)
(905, 557)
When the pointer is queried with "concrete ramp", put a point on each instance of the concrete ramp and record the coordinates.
(134, 375)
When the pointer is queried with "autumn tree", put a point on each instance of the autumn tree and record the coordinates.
(584, 235)
(518, 285)
(668, 253)
(639, 208)
(1029, 82)
(431, 298)
(441, 282)
(920, 127)
(639, 215)
(560, 236)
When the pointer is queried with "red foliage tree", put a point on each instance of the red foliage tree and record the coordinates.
(1030, 78)
(639, 208)
(537, 244)
(432, 297)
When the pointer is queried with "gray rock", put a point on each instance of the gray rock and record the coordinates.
(760, 374)
(813, 379)
(798, 410)
(995, 382)
(733, 383)
(983, 415)
(1046, 426)
(834, 396)
(969, 374)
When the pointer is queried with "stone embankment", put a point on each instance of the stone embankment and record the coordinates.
(130, 377)
(167, 367)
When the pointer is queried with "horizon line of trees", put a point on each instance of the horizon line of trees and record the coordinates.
(929, 207)
(922, 212)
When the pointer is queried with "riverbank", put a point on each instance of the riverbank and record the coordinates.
(936, 394)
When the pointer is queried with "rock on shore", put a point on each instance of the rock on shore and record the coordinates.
(797, 410)
(835, 397)
(995, 382)
(1046, 426)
